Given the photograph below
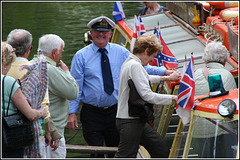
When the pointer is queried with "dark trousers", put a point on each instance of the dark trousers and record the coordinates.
(99, 127)
(135, 132)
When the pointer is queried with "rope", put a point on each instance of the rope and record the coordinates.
(73, 135)
(209, 35)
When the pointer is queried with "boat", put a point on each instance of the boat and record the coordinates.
(186, 28)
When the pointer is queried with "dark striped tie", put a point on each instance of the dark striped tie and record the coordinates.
(106, 72)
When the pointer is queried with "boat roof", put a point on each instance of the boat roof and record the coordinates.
(180, 40)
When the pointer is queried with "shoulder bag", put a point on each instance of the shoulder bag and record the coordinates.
(137, 106)
(17, 130)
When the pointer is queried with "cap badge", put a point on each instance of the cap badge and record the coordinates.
(103, 23)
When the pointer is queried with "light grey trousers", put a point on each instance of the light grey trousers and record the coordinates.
(137, 131)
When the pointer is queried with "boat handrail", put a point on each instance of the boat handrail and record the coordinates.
(186, 25)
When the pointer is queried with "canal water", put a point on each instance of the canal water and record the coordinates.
(66, 19)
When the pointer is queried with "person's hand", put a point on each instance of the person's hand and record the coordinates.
(168, 72)
(174, 98)
(48, 138)
(174, 76)
(43, 112)
(54, 144)
(63, 66)
(72, 122)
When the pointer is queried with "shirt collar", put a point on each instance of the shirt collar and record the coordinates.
(95, 48)
(49, 60)
(132, 56)
(21, 59)
(214, 65)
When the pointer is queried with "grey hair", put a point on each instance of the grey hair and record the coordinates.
(21, 40)
(48, 42)
(215, 52)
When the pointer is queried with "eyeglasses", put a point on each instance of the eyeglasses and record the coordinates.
(14, 50)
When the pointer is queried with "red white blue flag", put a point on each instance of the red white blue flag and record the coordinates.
(118, 13)
(142, 29)
(164, 58)
(186, 89)
(139, 29)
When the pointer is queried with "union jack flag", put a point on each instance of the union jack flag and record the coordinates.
(142, 29)
(118, 13)
(164, 58)
(186, 89)
(139, 30)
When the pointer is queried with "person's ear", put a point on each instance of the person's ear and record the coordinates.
(28, 52)
(30, 48)
(146, 51)
(54, 51)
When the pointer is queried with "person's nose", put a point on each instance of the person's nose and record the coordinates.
(101, 33)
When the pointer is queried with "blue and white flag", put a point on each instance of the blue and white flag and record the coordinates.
(118, 13)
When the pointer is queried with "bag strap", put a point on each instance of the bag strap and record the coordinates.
(3, 96)
(205, 72)
(11, 94)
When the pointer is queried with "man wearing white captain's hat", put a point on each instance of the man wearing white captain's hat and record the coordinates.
(99, 102)
(98, 93)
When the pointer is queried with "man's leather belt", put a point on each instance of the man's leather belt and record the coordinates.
(99, 108)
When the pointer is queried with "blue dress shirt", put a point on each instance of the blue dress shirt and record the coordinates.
(86, 69)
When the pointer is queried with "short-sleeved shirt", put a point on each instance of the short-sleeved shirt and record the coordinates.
(7, 85)
(16, 73)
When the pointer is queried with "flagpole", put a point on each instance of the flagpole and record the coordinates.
(165, 57)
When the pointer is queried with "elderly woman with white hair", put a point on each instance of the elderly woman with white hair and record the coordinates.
(205, 132)
(215, 57)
